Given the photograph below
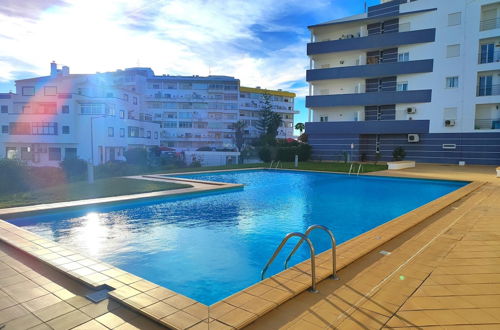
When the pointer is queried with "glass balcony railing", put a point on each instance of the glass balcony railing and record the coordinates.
(490, 24)
(488, 90)
(489, 57)
(492, 123)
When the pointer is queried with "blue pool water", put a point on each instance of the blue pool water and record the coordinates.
(209, 246)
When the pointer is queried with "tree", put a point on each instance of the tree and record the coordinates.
(239, 136)
(300, 127)
(269, 121)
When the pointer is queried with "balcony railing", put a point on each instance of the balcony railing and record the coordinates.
(490, 24)
(489, 57)
(397, 57)
(487, 123)
(488, 90)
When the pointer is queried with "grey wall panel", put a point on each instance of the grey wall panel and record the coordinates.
(371, 70)
(377, 41)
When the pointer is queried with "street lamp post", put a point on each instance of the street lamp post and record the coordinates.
(90, 166)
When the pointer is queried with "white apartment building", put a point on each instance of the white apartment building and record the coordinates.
(66, 115)
(420, 74)
(251, 102)
(193, 111)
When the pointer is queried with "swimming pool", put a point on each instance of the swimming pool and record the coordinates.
(211, 245)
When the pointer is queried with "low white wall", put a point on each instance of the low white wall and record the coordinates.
(212, 158)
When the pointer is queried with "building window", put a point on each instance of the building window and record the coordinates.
(28, 91)
(402, 86)
(20, 128)
(55, 154)
(122, 114)
(65, 129)
(148, 134)
(70, 153)
(452, 82)
(185, 124)
(125, 97)
(122, 132)
(26, 153)
(452, 51)
(111, 131)
(11, 152)
(133, 132)
(50, 90)
(134, 100)
(44, 128)
(5, 129)
(4, 109)
(170, 124)
(404, 57)
(323, 119)
(92, 109)
(156, 135)
(454, 19)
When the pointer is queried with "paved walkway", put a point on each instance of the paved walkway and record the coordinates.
(35, 296)
(445, 272)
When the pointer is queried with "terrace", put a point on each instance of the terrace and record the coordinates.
(434, 258)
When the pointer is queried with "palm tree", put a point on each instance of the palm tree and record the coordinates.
(300, 127)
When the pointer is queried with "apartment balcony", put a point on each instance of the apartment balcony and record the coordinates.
(487, 124)
(374, 41)
(489, 57)
(369, 127)
(371, 70)
(489, 24)
(369, 98)
(488, 90)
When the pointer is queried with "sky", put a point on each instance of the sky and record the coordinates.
(261, 42)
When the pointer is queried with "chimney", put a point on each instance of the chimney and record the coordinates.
(53, 69)
(65, 70)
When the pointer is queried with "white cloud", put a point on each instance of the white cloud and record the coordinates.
(175, 37)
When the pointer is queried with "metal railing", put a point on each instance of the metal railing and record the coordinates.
(488, 57)
(334, 248)
(487, 123)
(489, 24)
(488, 90)
(305, 237)
(311, 251)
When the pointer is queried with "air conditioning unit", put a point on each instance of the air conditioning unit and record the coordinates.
(449, 122)
(413, 138)
(411, 110)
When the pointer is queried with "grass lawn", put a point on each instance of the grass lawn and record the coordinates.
(312, 166)
(83, 190)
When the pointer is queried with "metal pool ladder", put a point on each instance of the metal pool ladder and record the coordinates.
(305, 237)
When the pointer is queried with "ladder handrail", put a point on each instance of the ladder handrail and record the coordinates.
(350, 169)
(278, 163)
(334, 247)
(311, 250)
(271, 166)
(359, 168)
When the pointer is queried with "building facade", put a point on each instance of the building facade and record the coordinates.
(193, 111)
(64, 115)
(251, 102)
(420, 74)
(96, 117)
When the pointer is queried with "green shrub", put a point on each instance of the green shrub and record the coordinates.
(45, 176)
(398, 154)
(304, 152)
(287, 154)
(112, 169)
(74, 168)
(13, 176)
(137, 156)
(265, 154)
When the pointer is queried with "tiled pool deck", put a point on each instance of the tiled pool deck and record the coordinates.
(374, 290)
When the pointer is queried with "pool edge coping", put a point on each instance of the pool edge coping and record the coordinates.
(245, 306)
